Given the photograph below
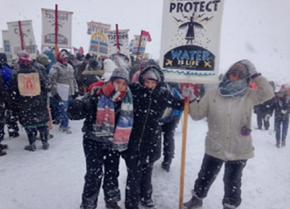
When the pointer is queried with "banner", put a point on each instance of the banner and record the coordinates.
(6, 44)
(134, 44)
(14, 35)
(123, 40)
(191, 40)
(99, 44)
(94, 27)
(64, 28)
(28, 84)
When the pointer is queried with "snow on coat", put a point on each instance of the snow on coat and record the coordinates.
(226, 117)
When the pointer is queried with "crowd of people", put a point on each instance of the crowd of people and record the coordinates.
(127, 109)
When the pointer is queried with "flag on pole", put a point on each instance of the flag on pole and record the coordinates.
(146, 35)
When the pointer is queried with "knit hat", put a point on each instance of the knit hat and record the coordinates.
(120, 72)
(151, 74)
(3, 58)
(43, 59)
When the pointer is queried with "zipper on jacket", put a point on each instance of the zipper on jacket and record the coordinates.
(145, 122)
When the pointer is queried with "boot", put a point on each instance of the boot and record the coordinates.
(194, 202)
(227, 206)
(45, 145)
(166, 166)
(88, 206)
(278, 144)
(147, 203)
(2, 153)
(283, 143)
(112, 205)
(65, 130)
(13, 134)
(3, 146)
(30, 147)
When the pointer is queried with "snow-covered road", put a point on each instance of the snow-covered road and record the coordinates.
(53, 179)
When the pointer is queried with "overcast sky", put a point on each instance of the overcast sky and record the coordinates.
(256, 29)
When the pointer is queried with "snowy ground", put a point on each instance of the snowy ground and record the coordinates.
(53, 179)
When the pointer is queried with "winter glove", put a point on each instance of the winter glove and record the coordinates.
(188, 94)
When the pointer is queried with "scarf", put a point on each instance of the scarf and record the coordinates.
(233, 89)
(117, 132)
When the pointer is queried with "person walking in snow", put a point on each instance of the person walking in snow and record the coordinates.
(6, 77)
(169, 122)
(150, 98)
(63, 88)
(108, 113)
(228, 111)
(30, 97)
(281, 109)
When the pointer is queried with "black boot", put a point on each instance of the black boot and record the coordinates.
(147, 203)
(166, 166)
(112, 205)
(283, 143)
(3, 146)
(2, 153)
(194, 202)
(30, 147)
(226, 206)
(13, 134)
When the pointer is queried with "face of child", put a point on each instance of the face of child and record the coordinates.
(120, 85)
(150, 84)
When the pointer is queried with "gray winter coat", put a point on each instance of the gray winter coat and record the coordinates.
(226, 117)
(63, 74)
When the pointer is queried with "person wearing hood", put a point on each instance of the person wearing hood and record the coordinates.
(30, 97)
(93, 73)
(108, 113)
(6, 77)
(228, 110)
(63, 88)
(151, 97)
(281, 109)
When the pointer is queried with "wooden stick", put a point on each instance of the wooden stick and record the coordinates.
(56, 30)
(183, 153)
(22, 45)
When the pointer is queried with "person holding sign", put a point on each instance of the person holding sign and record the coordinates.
(228, 110)
(63, 88)
(30, 97)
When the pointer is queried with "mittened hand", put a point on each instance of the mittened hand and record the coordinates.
(108, 89)
(188, 94)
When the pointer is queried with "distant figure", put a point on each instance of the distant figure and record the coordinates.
(190, 35)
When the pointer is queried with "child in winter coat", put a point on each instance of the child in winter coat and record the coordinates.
(150, 98)
(108, 113)
(31, 90)
(228, 110)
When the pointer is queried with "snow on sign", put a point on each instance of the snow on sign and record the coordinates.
(21, 36)
(64, 28)
(191, 40)
(123, 43)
